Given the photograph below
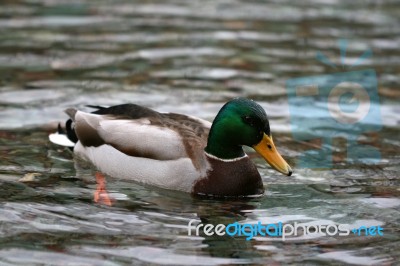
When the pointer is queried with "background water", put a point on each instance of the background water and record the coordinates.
(189, 57)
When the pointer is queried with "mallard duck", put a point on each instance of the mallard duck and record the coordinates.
(176, 151)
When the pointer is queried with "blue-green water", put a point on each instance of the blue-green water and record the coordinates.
(190, 57)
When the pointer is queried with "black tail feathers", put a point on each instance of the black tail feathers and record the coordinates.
(70, 131)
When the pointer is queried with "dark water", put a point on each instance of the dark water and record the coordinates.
(191, 57)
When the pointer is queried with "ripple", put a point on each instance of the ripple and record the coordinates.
(382, 202)
(29, 257)
(49, 21)
(178, 52)
(82, 60)
(163, 256)
(212, 73)
(350, 258)
(23, 97)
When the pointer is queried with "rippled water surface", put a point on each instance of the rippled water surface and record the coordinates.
(190, 57)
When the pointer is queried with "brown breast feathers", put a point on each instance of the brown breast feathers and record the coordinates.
(230, 178)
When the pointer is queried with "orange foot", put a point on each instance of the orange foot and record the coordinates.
(101, 195)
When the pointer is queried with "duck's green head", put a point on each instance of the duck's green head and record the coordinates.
(244, 122)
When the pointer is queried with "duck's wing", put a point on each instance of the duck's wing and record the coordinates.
(194, 135)
(141, 132)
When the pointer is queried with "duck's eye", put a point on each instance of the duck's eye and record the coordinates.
(249, 120)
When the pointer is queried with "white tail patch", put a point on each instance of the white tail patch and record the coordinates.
(61, 139)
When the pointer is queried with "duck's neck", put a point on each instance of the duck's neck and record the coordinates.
(222, 145)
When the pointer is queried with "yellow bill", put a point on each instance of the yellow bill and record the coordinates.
(266, 148)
